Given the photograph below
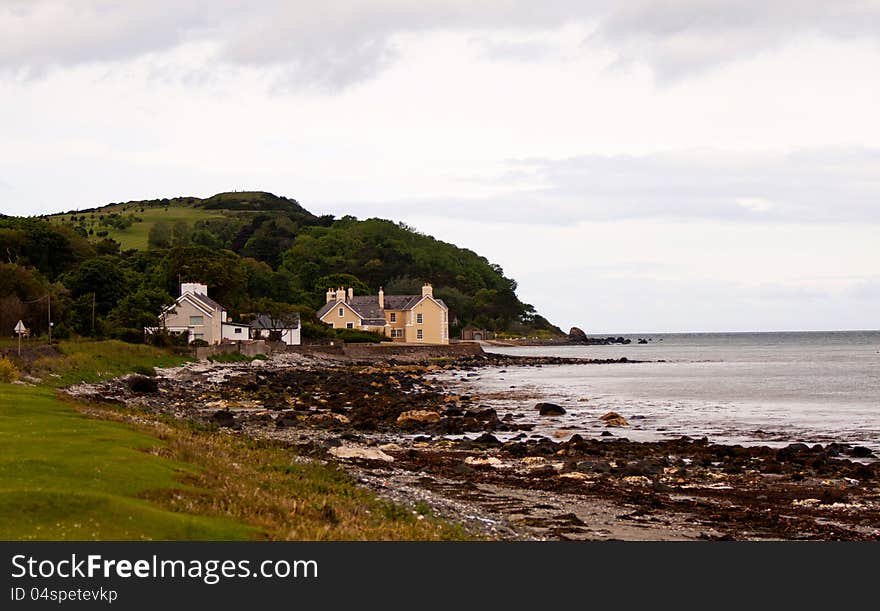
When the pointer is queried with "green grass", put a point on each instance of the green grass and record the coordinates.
(67, 477)
(92, 361)
(233, 357)
(73, 471)
(135, 236)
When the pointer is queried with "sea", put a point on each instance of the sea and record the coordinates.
(747, 388)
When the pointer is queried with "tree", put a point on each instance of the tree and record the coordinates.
(275, 316)
(335, 281)
(159, 235)
(180, 233)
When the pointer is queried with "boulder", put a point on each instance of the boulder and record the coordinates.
(549, 409)
(143, 384)
(361, 453)
(487, 439)
(420, 416)
(614, 419)
(576, 334)
(330, 419)
(223, 418)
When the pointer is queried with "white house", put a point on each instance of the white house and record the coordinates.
(200, 317)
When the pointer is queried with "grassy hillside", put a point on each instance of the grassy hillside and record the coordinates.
(112, 268)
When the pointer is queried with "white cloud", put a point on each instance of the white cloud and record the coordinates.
(336, 43)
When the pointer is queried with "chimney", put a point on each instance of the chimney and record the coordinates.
(350, 294)
(330, 295)
(193, 287)
(427, 290)
(340, 294)
(381, 299)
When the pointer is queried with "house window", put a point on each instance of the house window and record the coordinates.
(196, 320)
(419, 318)
(349, 325)
(396, 332)
(393, 317)
(341, 312)
(238, 329)
(198, 336)
(419, 334)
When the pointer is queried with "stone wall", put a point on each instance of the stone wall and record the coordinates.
(385, 350)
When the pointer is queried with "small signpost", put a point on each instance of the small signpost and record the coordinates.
(20, 329)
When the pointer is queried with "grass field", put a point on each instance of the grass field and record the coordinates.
(78, 471)
(63, 477)
(92, 361)
(135, 236)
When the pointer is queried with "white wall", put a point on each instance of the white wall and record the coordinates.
(230, 334)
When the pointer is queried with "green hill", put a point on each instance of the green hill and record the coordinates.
(113, 267)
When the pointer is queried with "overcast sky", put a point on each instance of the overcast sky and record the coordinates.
(666, 165)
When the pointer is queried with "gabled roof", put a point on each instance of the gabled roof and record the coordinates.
(329, 306)
(367, 306)
(264, 321)
(206, 300)
(190, 297)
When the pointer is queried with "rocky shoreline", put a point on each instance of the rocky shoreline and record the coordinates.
(405, 429)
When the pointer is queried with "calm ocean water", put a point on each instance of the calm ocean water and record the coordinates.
(771, 388)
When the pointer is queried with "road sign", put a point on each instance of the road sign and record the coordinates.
(21, 330)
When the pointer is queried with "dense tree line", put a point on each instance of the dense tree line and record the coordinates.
(264, 253)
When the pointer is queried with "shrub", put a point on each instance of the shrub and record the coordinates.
(356, 336)
(144, 370)
(8, 371)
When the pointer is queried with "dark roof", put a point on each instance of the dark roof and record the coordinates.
(400, 302)
(325, 308)
(264, 321)
(367, 306)
(207, 301)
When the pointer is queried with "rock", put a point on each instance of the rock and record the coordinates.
(361, 453)
(641, 467)
(576, 475)
(861, 452)
(330, 418)
(797, 447)
(614, 419)
(223, 418)
(487, 439)
(462, 469)
(577, 335)
(637, 480)
(285, 422)
(606, 434)
(143, 384)
(549, 409)
(542, 471)
(490, 461)
(420, 416)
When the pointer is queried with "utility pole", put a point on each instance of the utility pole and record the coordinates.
(93, 312)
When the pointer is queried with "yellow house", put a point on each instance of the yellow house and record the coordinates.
(414, 319)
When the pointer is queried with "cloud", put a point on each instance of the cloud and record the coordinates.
(336, 43)
(678, 38)
(815, 186)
